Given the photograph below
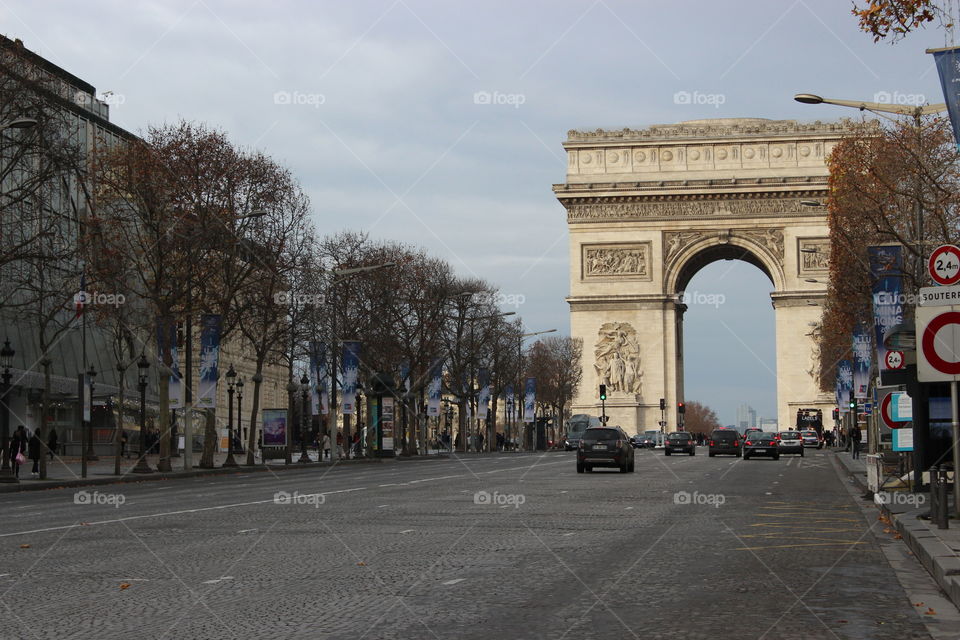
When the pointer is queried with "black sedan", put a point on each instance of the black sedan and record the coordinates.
(761, 443)
(680, 442)
(604, 447)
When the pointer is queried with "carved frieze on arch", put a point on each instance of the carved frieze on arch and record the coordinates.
(762, 247)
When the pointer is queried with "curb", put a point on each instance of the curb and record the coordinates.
(937, 558)
(940, 561)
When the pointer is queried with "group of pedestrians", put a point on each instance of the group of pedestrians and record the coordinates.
(26, 446)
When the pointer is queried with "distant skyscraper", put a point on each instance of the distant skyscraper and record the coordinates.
(746, 417)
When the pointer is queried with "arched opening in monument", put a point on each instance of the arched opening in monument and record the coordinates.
(727, 336)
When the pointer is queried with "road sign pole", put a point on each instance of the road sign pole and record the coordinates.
(956, 448)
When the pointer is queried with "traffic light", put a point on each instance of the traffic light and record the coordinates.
(663, 404)
(836, 413)
(603, 392)
(682, 408)
(853, 403)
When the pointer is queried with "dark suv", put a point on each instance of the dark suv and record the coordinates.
(724, 441)
(680, 442)
(604, 447)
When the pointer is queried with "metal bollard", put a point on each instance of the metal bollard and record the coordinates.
(944, 516)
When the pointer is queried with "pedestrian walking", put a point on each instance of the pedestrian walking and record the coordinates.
(326, 446)
(855, 438)
(52, 443)
(123, 444)
(34, 451)
(18, 449)
(340, 445)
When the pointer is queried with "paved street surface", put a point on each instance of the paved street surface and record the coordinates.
(498, 546)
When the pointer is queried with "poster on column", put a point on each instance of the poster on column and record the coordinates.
(274, 427)
(483, 396)
(861, 362)
(530, 400)
(386, 423)
(351, 369)
(434, 390)
(209, 359)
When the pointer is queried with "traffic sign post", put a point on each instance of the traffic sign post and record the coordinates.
(894, 360)
(944, 265)
(938, 360)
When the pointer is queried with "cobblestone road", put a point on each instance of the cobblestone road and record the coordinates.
(509, 546)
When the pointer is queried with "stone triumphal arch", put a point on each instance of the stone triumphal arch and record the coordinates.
(649, 208)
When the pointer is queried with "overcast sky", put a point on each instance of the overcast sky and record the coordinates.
(372, 105)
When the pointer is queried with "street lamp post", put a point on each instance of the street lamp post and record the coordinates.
(521, 392)
(231, 383)
(305, 409)
(341, 275)
(240, 414)
(6, 360)
(91, 454)
(142, 366)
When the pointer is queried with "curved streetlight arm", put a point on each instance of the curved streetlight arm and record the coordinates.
(902, 109)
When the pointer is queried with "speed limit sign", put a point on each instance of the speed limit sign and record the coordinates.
(894, 359)
(944, 265)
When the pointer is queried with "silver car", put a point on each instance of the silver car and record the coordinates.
(791, 442)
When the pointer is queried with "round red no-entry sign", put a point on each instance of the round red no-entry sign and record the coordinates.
(944, 264)
(885, 412)
(929, 343)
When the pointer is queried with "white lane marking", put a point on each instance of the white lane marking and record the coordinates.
(628, 508)
(563, 492)
(381, 506)
(167, 513)
(449, 582)
(244, 504)
(407, 531)
(162, 488)
(572, 533)
(391, 484)
(768, 493)
(247, 531)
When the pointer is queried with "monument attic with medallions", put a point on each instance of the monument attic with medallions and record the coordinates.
(648, 208)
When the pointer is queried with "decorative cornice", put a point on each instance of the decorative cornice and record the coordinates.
(720, 128)
(601, 209)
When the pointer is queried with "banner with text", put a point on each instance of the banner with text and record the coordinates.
(861, 362)
(844, 384)
(886, 271)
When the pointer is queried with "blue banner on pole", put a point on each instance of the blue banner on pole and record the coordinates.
(351, 369)
(844, 384)
(886, 271)
(435, 389)
(209, 360)
(861, 362)
(530, 400)
(483, 397)
(948, 66)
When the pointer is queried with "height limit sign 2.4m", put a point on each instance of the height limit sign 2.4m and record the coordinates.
(944, 265)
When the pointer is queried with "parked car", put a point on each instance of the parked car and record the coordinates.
(761, 443)
(811, 438)
(680, 442)
(604, 447)
(724, 441)
(791, 442)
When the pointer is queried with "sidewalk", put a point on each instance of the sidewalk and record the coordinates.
(65, 472)
(937, 549)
